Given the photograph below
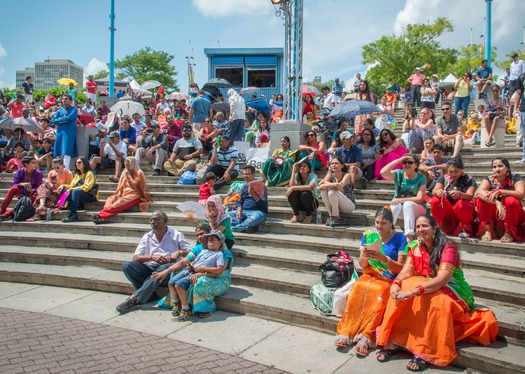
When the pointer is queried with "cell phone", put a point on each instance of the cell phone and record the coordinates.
(414, 112)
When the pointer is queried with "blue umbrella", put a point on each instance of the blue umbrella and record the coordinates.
(259, 104)
(352, 108)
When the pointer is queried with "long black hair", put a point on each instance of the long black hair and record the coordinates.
(372, 138)
(299, 176)
(340, 159)
(439, 242)
(386, 213)
(505, 162)
(85, 161)
(382, 143)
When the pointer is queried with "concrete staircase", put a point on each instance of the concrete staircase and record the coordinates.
(274, 268)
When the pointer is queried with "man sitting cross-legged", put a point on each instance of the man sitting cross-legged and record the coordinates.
(112, 155)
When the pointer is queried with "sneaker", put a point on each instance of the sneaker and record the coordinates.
(71, 218)
(252, 229)
(126, 306)
(175, 311)
(184, 315)
(520, 162)
(463, 235)
(156, 173)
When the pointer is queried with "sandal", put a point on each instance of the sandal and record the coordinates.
(420, 364)
(506, 238)
(113, 179)
(487, 236)
(361, 347)
(386, 353)
(342, 341)
(490, 143)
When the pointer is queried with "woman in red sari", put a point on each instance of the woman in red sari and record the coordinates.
(451, 204)
(308, 105)
(498, 200)
(431, 306)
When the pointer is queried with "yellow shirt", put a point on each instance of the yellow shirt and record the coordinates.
(462, 89)
(89, 179)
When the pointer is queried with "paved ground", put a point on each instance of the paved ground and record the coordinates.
(57, 330)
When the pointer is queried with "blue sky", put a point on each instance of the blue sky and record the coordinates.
(334, 30)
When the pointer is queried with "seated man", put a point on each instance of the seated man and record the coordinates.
(252, 207)
(128, 134)
(25, 182)
(44, 154)
(154, 148)
(94, 140)
(390, 97)
(222, 125)
(351, 156)
(434, 168)
(174, 130)
(156, 252)
(112, 155)
(185, 153)
(484, 76)
(18, 136)
(449, 130)
(223, 163)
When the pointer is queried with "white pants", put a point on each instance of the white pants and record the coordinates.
(92, 97)
(411, 211)
(157, 158)
(336, 202)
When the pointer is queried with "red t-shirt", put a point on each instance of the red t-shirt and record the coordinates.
(91, 87)
(16, 109)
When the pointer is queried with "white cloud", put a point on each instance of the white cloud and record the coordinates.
(3, 52)
(94, 66)
(224, 8)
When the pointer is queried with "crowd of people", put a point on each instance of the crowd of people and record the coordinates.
(433, 194)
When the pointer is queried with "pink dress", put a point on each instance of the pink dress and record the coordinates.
(396, 154)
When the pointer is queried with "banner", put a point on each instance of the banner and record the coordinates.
(242, 148)
(256, 157)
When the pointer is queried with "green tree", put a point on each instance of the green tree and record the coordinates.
(148, 64)
(469, 59)
(393, 58)
(105, 73)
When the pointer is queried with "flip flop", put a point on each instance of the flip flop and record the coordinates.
(506, 238)
(361, 344)
(387, 354)
(420, 364)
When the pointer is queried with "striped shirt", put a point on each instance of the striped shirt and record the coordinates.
(224, 157)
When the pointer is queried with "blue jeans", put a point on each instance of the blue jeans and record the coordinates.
(182, 279)
(139, 275)
(249, 218)
(76, 197)
(461, 103)
(236, 131)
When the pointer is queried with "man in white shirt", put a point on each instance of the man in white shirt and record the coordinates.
(517, 67)
(330, 98)
(112, 154)
(157, 251)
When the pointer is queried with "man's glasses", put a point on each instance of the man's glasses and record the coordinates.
(407, 162)
(445, 108)
(311, 135)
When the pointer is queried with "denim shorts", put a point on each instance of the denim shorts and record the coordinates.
(181, 279)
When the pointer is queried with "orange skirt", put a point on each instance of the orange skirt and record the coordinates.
(430, 325)
(365, 307)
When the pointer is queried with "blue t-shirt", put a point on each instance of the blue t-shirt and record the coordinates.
(247, 202)
(209, 258)
(130, 134)
(201, 109)
(349, 156)
(484, 73)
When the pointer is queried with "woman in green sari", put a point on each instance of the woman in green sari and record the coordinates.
(277, 170)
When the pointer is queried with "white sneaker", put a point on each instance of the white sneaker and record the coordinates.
(463, 235)
(520, 162)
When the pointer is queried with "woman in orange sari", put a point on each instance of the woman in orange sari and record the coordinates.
(431, 306)
(382, 257)
(132, 190)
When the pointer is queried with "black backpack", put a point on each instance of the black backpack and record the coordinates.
(337, 270)
(23, 209)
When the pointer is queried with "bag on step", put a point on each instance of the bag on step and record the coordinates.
(23, 209)
(322, 298)
(337, 269)
(188, 177)
(341, 294)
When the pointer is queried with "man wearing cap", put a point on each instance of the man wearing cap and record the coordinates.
(337, 88)
(91, 87)
(66, 139)
(154, 148)
(200, 109)
(112, 155)
(157, 251)
(484, 76)
(517, 68)
(351, 156)
(185, 153)
(416, 80)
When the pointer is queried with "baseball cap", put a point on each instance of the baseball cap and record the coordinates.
(218, 234)
(155, 126)
(346, 135)
(112, 134)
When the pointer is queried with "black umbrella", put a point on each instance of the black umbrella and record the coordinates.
(212, 90)
(221, 107)
(219, 83)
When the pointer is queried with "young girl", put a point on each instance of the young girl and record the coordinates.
(206, 189)
(427, 151)
(209, 260)
(15, 162)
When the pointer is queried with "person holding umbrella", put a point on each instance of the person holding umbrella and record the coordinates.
(66, 135)
(72, 91)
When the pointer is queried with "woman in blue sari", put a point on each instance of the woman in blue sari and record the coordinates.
(204, 288)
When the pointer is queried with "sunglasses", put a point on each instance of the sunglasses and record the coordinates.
(406, 162)
(384, 134)
(311, 135)
(78, 162)
(186, 130)
(445, 108)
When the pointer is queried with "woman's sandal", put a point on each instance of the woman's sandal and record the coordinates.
(342, 342)
(487, 236)
(361, 347)
(386, 353)
(420, 364)
(113, 179)
(506, 238)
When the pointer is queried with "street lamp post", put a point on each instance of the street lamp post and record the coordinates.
(112, 50)
(488, 36)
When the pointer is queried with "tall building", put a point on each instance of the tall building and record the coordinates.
(46, 73)
(21, 76)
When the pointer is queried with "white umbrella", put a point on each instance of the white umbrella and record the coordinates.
(128, 107)
(148, 85)
(249, 90)
(178, 96)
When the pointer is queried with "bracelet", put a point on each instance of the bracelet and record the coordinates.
(397, 281)
(421, 290)
(387, 261)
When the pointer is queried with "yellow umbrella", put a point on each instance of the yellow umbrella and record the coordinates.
(67, 81)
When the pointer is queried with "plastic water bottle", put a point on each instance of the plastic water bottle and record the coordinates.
(48, 215)
(318, 219)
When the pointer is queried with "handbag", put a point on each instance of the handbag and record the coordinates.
(337, 269)
(322, 298)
